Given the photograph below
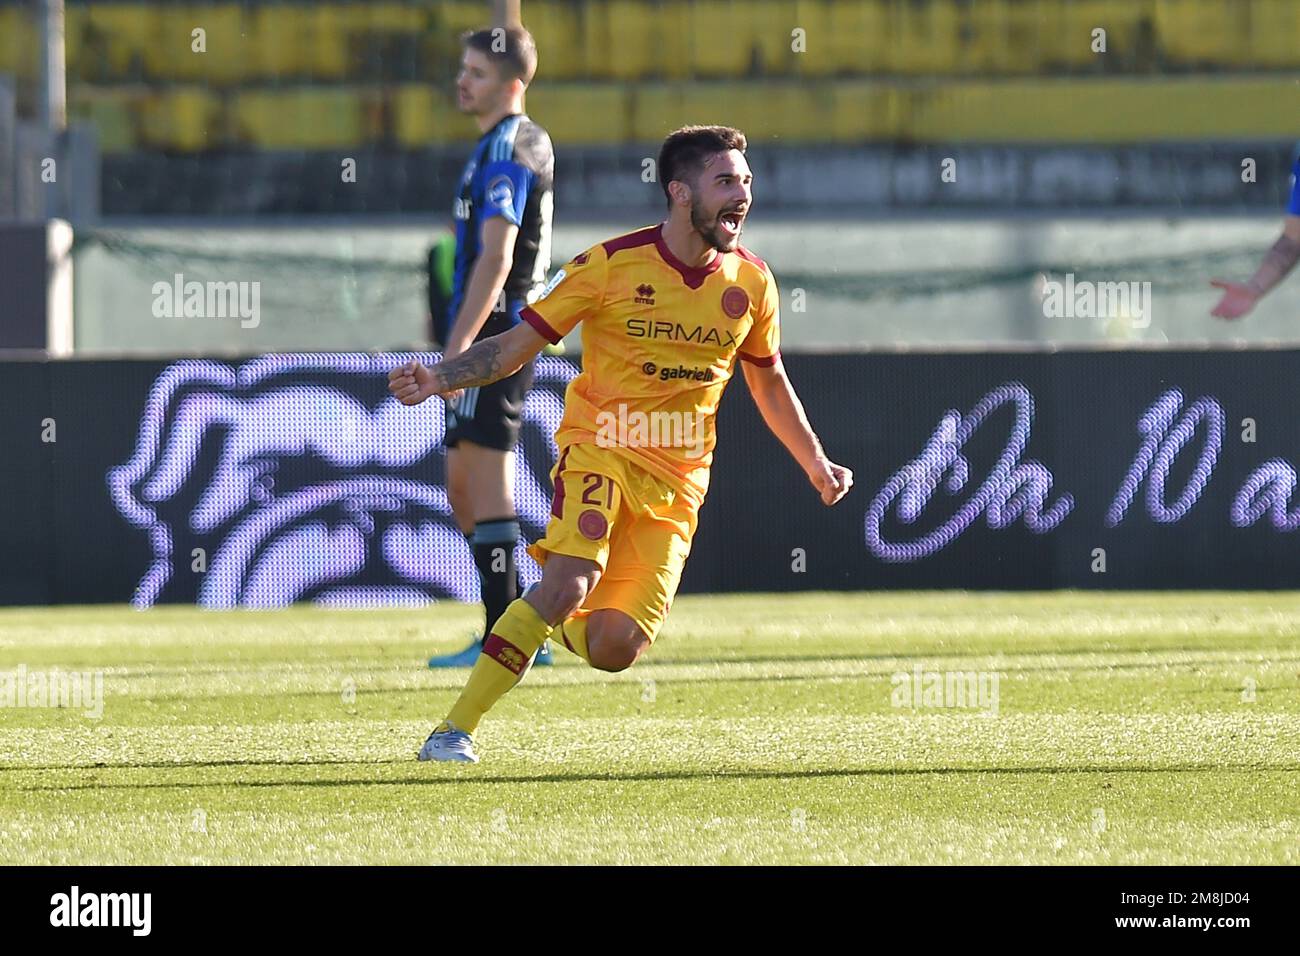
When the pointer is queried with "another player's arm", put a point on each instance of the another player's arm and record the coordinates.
(574, 293)
(486, 280)
(483, 363)
(1239, 298)
(785, 417)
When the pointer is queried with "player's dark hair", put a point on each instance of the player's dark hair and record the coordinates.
(511, 48)
(686, 151)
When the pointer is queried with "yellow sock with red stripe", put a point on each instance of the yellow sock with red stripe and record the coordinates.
(572, 633)
(513, 640)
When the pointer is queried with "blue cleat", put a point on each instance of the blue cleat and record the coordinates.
(468, 657)
(465, 658)
(544, 657)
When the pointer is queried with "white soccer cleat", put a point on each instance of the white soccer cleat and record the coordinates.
(449, 743)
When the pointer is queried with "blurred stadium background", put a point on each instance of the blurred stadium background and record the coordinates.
(227, 162)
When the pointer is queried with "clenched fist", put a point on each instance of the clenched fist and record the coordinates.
(411, 383)
(832, 481)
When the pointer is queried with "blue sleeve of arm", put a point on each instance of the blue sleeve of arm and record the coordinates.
(1294, 206)
(505, 190)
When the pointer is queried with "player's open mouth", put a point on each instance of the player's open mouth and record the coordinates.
(730, 221)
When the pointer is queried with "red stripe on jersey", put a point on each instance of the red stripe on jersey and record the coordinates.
(762, 361)
(746, 254)
(693, 276)
(633, 240)
(543, 327)
(557, 500)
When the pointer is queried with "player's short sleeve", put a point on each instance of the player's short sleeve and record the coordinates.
(762, 346)
(505, 190)
(573, 294)
(1293, 207)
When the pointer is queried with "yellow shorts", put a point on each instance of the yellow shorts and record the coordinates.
(636, 526)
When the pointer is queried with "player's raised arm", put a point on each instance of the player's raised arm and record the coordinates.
(1240, 297)
(506, 13)
(482, 363)
(785, 417)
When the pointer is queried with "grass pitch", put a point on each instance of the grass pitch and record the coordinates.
(1129, 728)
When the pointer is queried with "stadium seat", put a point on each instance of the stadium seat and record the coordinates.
(925, 38)
(18, 47)
(555, 28)
(224, 62)
(112, 112)
(1274, 39)
(180, 119)
(1201, 33)
(300, 118)
(584, 113)
(425, 116)
(130, 40)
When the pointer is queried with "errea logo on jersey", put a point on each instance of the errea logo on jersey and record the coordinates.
(645, 294)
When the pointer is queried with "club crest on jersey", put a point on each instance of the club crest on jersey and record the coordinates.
(501, 192)
(735, 302)
(593, 525)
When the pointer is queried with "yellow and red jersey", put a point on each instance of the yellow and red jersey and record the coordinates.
(660, 341)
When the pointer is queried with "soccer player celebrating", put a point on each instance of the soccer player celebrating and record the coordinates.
(1239, 298)
(503, 242)
(666, 311)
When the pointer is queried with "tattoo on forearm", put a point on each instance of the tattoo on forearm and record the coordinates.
(480, 364)
(1281, 259)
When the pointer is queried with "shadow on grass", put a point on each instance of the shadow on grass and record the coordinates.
(472, 777)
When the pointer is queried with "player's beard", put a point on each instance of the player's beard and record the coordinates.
(710, 228)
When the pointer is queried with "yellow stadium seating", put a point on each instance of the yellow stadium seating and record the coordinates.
(1198, 32)
(180, 119)
(424, 116)
(299, 118)
(581, 113)
(633, 40)
(1274, 41)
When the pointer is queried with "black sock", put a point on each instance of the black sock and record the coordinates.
(494, 554)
